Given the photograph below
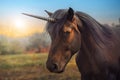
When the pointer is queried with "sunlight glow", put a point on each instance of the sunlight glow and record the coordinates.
(19, 24)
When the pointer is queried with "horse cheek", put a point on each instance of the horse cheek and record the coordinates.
(76, 43)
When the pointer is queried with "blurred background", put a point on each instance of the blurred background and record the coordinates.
(24, 42)
(29, 35)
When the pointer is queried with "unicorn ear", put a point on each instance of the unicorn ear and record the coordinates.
(49, 13)
(70, 14)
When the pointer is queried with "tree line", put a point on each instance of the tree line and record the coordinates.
(36, 43)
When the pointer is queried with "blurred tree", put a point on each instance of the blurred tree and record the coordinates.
(113, 24)
(38, 41)
(16, 47)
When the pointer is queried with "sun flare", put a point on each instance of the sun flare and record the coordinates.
(19, 24)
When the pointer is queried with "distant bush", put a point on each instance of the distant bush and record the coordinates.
(4, 45)
(16, 47)
(38, 42)
(10, 46)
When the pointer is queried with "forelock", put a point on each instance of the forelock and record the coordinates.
(54, 28)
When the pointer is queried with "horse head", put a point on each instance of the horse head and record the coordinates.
(66, 39)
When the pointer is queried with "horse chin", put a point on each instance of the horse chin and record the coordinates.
(58, 71)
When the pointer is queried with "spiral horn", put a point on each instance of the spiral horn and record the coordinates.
(39, 17)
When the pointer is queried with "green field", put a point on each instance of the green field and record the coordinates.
(32, 67)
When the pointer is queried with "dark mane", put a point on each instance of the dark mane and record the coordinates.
(102, 35)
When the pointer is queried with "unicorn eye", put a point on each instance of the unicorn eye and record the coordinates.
(67, 29)
(66, 33)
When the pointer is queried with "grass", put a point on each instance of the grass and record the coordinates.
(32, 67)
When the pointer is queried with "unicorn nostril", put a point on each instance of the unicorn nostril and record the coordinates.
(54, 66)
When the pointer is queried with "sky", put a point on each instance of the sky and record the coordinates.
(14, 24)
